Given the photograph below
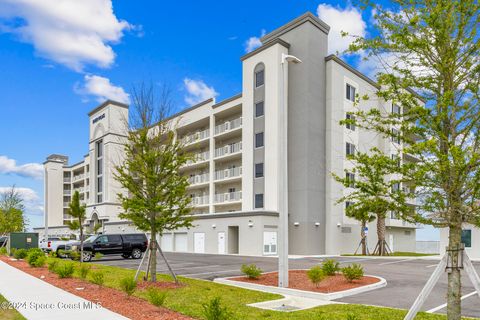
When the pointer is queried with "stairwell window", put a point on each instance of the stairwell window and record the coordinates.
(258, 200)
(350, 126)
(349, 149)
(259, 140)
(396, 136)
(259, 78)
(99, 163)
(396, 109)
(259, 109)
(350, 92)
(350, 179)
(259, 170)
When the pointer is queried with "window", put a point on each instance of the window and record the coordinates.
(467, 238)
(350, 149)
(102, 239)
(99, 149)
(348, 204)
(258, 200)
(259, 109)
(114, 238)
(99, 177)
(396, 158)
(396, 187)
(396, 136)
(351, 179)
(100, 184)
(350, 126)
(396, 109)
(259, 78)
(259, 140)
(259, 170)
(394, 215)
(350, 93)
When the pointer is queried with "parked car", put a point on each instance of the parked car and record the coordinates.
(52, 244)
(3, 241)
(128, 245)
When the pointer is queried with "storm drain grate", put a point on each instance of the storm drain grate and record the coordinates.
(285, 308)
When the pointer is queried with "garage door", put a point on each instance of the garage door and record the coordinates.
(180, 242)
(166, 242)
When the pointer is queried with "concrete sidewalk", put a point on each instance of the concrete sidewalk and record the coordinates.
(38, 300)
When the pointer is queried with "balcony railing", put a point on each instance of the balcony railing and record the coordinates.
(199, 157)
(228, 126)
(196, 136)
(67, 192)
(200, 200)
(228, 173)
(199, 178)
(78, 177)
(228, 197)
(66, 204)
(68, 180)
(228, 149)
(80, 190)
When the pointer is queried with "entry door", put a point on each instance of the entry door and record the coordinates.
(390, 242)
(269, 242)
(199, 242)
(221, 242)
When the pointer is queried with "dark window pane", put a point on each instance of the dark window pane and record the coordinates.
(259, 140)
(114, 238)
(258, 170)
(259, 109)
(259, 78)
(467, 238)
(259, 200)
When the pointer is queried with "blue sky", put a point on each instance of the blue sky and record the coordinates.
(60, 58)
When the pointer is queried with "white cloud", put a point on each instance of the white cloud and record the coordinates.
(198, 91)
(102, 89)
(347, 20)
(31, 200)
(253, 42)
(31, 170)
(70, 32)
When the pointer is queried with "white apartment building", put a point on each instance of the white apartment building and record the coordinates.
(234, 180)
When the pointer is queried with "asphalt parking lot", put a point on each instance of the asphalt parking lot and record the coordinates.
(405, 276)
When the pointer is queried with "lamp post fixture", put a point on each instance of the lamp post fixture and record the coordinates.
(283, 174)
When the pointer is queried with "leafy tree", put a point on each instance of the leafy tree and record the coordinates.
(427, 53)
(374, 193)
(157, 199)
(12, 211)
(77, 211)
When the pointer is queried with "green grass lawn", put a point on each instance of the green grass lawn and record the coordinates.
(189, 300)
(397, 254)
(8, 314)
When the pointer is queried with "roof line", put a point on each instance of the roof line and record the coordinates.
(107, 102)
(235, 97)
(265, 46)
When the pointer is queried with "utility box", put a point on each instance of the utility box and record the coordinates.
(22, 240)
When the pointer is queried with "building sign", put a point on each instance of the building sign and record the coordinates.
(100, 117)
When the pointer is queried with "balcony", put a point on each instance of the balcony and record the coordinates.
(228, 174)
(200, 201)
(198, 158)
(67, 192)
(196, 137)
(228, 197)
(80, 190)
(228, 126)
(199, 179)
(78, 177)
(229, 149)
(67, 179)
(66, 204)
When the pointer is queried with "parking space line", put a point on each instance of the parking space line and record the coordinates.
(356, 260)
(440, 307)
(204, 273)
(393, 262)
(432, 265)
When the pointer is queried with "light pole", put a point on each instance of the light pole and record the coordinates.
(283, 174)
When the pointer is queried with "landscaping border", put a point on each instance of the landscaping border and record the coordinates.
(302, 293)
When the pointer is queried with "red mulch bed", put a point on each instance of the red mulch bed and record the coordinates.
(298, 279)
(114, 300)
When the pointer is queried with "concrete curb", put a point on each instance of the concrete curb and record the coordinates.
(304, 294)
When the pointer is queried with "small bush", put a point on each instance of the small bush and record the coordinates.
(213, 310)
(156, 297)
(20, 254)
(12, 252)
(84, 270)
(65, 270)
(353, 272)
(251, 271)
(98, 256)
(36, 258)
(330, 267)
(3, 251)
(316, 275)
(351, 316)
(74, 255)
(98, 277)
(52, 254)
(128, 285)
(52, 265)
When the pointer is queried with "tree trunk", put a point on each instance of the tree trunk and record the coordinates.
(81, 242)
(381, 235)
(364, 242)
(153, 257)
(454, 309)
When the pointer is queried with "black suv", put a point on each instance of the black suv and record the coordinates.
(128, 245)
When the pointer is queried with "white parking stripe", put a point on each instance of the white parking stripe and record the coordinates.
(393, 262)
(204, 273)
(432, 265)
(444, 305)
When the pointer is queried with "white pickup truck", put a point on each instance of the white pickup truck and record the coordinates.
(56, 244)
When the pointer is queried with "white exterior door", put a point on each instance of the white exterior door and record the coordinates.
(221, 242)
(269, 242)
(180, 242)
(199, 242)
(166, 242)
(390, 242)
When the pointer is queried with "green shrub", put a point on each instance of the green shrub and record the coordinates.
(316, 275)
(128, 285)
(65, 270)
(213, 310)
(74, 255)
(98, 256)
(3, 251)
(52, 265)
(84, 270)
(98, 277)
(52, 254)
(251, 271)
(20, 254)
(36, 258)
(12, 252)
(353, 272)
(351, 316)
(330, 267)
(156, 297)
